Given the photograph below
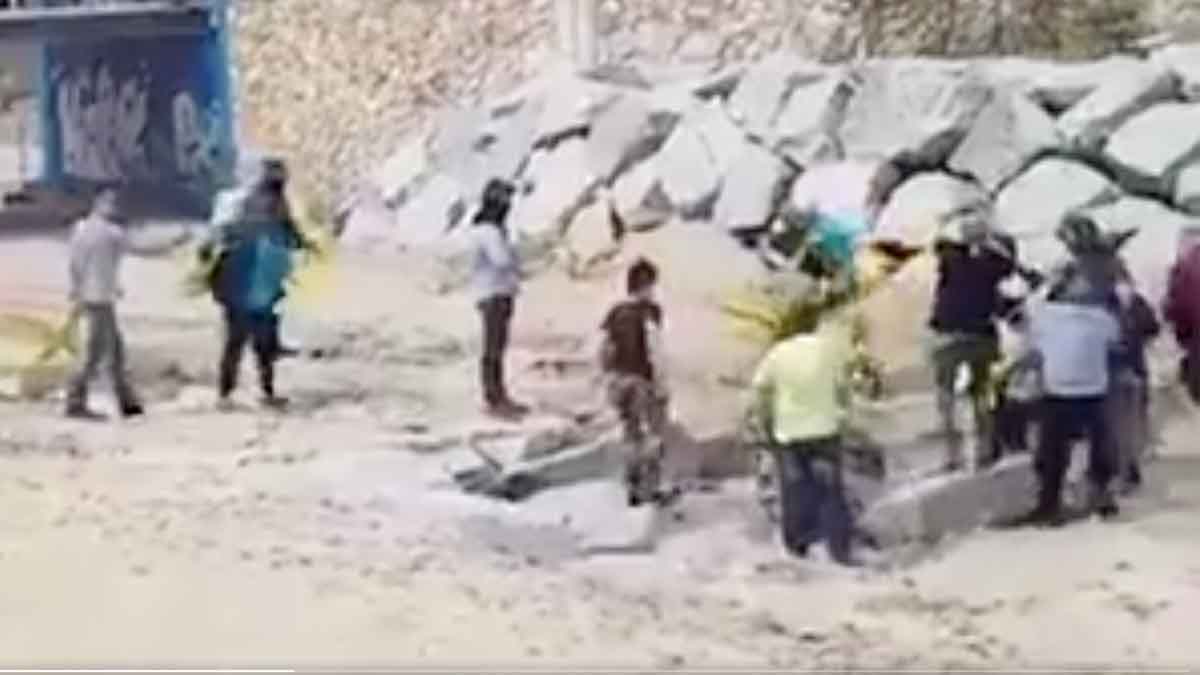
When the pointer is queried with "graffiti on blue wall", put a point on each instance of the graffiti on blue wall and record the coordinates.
(152, 111)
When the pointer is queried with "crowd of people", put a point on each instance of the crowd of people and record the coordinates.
(1076, 370)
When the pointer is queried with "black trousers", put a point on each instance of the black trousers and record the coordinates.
(261, 330)
(1065, 420)
(813, 495)
(496, 315)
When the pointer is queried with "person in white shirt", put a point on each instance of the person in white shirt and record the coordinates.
(496, 278)
(98, 244)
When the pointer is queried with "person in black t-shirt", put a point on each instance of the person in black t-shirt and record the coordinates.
(966, 304)
(631, 358)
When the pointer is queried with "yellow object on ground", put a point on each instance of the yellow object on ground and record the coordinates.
(36, 351)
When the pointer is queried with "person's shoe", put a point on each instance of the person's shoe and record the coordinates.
(1041, 516)
(131, 410)
(517, 408)
(274, 402)
(1133, 477)
(85, 414)
(225, 404)
(283, 352)
(1102, 503)
(504, 411)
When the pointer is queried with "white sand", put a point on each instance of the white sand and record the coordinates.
(192, 538)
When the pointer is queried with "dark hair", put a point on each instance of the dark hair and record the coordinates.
(495, 202)
(642, 275)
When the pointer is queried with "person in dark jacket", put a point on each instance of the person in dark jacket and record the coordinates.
(1182, 310)
(1129, 391)
(967, 302)
(253, 238)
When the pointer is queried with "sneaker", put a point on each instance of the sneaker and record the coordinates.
(1041, 517)
(518, 408)
(1102, 503)
(85, 414)
(132, 410)
(504, 411)
(274, 402)
(225, 404)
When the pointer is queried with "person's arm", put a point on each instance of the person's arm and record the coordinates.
(1144, 321)
(760, 410)
(497, 249)
(656, 351)
(154, 247)
(75, 274)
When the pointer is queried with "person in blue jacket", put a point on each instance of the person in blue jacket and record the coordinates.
(253, 238)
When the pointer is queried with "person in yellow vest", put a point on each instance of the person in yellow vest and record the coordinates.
(799, 399)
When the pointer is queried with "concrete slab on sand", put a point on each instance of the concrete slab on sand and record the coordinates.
(939, 505)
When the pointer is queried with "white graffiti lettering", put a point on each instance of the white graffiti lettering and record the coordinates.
(106, 132)
(197, 139)
(102, 124)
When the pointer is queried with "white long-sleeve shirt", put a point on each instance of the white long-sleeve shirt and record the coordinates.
(97, 247)
(495, 269)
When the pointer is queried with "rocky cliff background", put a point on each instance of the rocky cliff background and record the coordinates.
(336, 84)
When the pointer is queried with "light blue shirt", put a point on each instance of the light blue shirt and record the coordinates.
(1074, 342)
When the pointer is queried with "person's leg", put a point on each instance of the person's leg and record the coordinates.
(491, 369)
(836, 521)
(983, 352)
(1102, 458)
(946, 360)
(262, 329)
(652, 419)
(1053, 457)
(127, 398)
(237, 332)
(622, 396)
(800, 499)
(94, 349)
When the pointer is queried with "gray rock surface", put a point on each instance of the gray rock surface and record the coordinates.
(1088, 124)
(562, 183)
(853, 186)
(912, 108)
(1184, 61)
(694, 160)
(1060, 86)
(1151, 149)
(814, 111)
(638, 197)
(764, 90)
(438, 206)
(1187, 189)
(1034, 203)
(626, 132)
(754, 186)
(401, 174)
(924, 205)
(1009, 131)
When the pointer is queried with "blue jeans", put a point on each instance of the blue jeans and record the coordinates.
(813, 497)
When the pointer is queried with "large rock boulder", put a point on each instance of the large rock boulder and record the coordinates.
(1187, 189)
(1009, 132)
(695, 159)
(561, 183)
(805, 130)
(764, 89)
(1088, 125)
(1150, 150)
(402, 173)
(925, 204)
(1034, 203)
(1184, 62)
(912, 109)
(851, 186)
(1060, 86)
(437, 207)
(754, 186)
(638, 198)
(628, 131)
(1150, 252)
